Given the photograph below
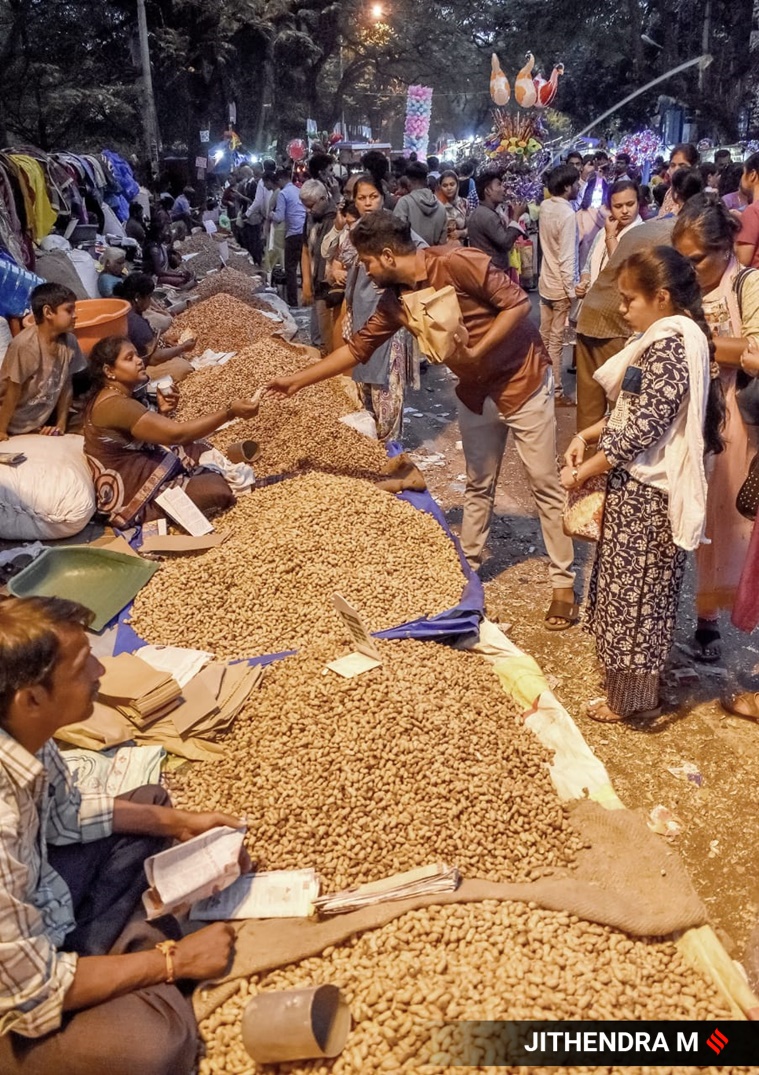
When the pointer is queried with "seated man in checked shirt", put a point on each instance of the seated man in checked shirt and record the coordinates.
(79, 993)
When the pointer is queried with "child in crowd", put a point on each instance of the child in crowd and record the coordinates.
(36, 375)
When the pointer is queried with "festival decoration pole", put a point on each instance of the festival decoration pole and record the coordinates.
(703, 60)
(417, 130)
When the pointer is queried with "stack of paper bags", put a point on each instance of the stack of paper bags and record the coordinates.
(210, 702)
(202, 708)
(139, 692)
(106, 728)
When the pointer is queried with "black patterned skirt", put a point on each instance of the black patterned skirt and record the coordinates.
(634, 588)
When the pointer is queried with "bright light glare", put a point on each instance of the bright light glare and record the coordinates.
(218, 154)
(377, 11)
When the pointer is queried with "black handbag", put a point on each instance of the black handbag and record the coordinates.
(747, 501)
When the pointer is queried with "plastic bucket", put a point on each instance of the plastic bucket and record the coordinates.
(296, 1024)
(96, 319)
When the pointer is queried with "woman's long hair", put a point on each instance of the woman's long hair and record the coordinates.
(663, 269)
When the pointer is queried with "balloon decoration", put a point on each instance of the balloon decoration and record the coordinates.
(417, 130)
(643, 147)
(500, 90)
(297, 149)
(514, 146)
(546, 91)
(536, 92)
(524, 87)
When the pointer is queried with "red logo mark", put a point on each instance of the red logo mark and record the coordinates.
(717, 1041)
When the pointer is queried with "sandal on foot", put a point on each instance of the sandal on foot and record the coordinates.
(566, 611)
(742, 704)
(707, 645)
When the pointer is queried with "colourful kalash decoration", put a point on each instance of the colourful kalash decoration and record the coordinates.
(643, 147)
(515, 143)
(416, 134)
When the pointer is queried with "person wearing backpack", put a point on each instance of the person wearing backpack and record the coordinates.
(705, 232)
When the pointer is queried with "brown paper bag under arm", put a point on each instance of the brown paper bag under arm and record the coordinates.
(434, 318)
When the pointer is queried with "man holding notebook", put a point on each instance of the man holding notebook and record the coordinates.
(84, 987)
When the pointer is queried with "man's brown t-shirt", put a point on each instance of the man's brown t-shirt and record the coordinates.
(512, 371)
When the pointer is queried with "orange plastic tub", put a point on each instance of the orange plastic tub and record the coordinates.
(96, 319)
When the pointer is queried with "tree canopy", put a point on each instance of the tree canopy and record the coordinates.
(70, 74)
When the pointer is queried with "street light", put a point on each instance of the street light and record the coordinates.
(377, 12)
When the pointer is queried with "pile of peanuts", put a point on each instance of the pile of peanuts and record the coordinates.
(206, 251)
(292, 546)
(294, 434)
(407, 983)
(420, 760)
(223, 324)
(232, 282)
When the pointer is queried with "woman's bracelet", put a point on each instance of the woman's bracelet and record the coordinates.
(579, 436)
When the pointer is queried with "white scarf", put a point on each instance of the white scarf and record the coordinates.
(683, 443)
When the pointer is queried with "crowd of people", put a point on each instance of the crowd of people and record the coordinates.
(660, 281)
(620, 261)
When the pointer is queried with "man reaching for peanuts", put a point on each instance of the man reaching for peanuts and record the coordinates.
(505, 381)
(84, 988)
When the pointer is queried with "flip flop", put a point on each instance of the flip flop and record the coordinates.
(568, 612)
(706, 646)
(596, 706)
(744, 704)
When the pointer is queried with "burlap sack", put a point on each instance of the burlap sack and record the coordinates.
(627, 878)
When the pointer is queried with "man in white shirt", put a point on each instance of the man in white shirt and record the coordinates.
(559, 272)
(83, 985)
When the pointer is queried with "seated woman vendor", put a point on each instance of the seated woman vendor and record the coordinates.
(135, 453)
(137, 289)
(163, 261)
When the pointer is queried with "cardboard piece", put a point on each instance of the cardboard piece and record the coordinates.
(239, 681)
(114, 543)
(198, 701)
(179, 544)
(366, 655)
(353, 665)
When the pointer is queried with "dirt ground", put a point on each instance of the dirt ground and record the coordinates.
(719, 812)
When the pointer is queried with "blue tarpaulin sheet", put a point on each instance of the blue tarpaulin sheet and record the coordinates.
(455, 624)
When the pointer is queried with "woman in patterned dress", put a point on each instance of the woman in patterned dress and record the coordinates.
(669, 411)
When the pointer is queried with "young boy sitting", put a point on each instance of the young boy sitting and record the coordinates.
(35, 377)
